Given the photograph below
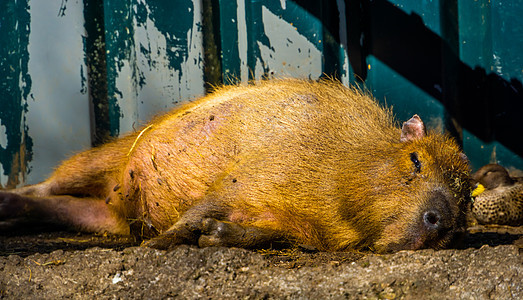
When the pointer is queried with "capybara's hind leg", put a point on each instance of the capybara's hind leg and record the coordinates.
(85, 214)
(87, 173)
(39, 190)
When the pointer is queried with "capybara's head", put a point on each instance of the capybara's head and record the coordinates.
(419, 194)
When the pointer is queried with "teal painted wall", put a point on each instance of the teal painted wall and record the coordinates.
(43, 89)
(15, 86)
(75, 74)
(491, 42)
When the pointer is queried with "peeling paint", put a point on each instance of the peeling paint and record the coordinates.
(127, 103)
(83, 80)
(57, 116)
(3, 146)
(283, 4)
(15, 88)
(3, 137)
(242, 41)
(118, 35)
(157, 64)
(345, 69)
(288, 53)
(170, 58)
(3, 178)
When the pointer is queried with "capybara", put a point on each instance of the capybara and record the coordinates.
(501, 202)
(307, 162)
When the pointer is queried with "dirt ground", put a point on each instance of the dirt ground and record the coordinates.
(58, 264)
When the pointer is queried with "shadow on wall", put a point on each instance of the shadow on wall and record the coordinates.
(487, 105)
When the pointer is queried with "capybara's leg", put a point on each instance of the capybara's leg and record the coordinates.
(229, 234)
(200, 225)
(87, 173)
(85, 214)
(38, 190)
(176, 235)
(188, 228)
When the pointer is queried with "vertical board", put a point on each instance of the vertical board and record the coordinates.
(456, 64)
(261, 39)
(154, 58)
(15, 86)
(73, 73)
(491, 42)
(388, 77)
(46, 110)
(58, 111)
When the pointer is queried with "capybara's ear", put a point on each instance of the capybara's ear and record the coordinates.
(413, 129)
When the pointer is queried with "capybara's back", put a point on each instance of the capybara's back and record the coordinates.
(308, 162)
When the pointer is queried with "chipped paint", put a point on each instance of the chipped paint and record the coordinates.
(3, 178)
(154, 60)
(127, 97)
(157, 64)
(170, 60)
(283, 4)
(57, 113)
(15, 90)
(119, 37)
(288, 53)
(3, 146)
(345, 69)
(242, 41)
(3, 136)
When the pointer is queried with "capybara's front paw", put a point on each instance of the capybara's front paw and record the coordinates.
(161, 242)
(219, 233)
(180, 233)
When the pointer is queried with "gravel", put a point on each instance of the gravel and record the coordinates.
(67, 265)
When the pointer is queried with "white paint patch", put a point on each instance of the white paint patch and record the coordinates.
(291, 54)
(58, 113)
(164, 86)
(283, 4)
(242, 41)
(343, 41)
(3, 136)
(3, 144)
(498, 68)
(128, 103)
(3, 178)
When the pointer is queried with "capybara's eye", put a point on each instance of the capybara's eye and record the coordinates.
(415, 161)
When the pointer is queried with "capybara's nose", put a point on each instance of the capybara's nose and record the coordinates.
(432, 219)
(437, 215)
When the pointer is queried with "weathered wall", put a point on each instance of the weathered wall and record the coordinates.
(75, 73)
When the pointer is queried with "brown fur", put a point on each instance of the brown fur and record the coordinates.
(312, 162)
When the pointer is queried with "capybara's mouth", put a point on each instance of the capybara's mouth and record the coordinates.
(417, 244)
(422, 240)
